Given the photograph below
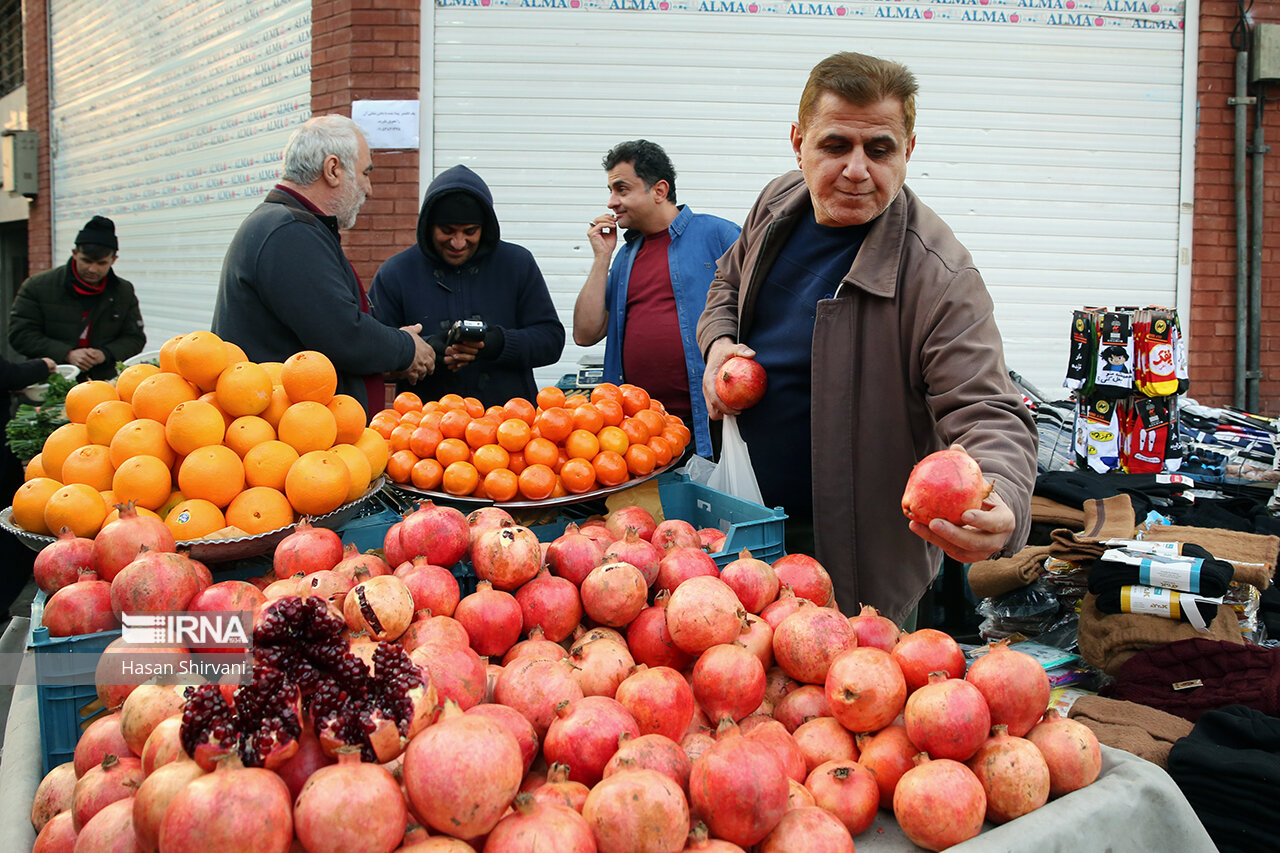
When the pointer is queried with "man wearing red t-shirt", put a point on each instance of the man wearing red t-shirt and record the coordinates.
(646, 303)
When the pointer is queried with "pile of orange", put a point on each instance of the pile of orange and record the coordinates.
(205, 440)
(552, 447)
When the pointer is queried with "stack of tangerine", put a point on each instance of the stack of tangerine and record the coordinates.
(562, 445)
(206, 440)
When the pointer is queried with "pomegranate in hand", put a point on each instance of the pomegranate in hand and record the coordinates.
(740, 382)
(943, 485)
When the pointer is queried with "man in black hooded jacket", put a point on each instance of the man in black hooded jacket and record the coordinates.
(461, 269)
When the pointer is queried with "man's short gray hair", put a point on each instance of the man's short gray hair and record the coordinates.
(317, 139)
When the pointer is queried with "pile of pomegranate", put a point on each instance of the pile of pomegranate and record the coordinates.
(611, 690)
(132, 565)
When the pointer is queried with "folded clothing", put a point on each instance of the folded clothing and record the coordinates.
(1253, 556)
(1111, 518)
(1107, 641)
(1075, 488)
(1145, 732)
(1195, 571)
(1269, 610)
(1191, 676)
(1048, 510)
(990, 578)
(1227, 769)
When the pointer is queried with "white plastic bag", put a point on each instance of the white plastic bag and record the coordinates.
(734, 474)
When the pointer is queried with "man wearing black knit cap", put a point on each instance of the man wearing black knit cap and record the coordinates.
(80, 313)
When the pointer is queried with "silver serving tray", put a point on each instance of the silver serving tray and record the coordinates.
(567, 500)
(222, 550)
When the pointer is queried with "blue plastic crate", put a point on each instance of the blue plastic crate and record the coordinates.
(745, 524)
(65, 694)
(369, 532)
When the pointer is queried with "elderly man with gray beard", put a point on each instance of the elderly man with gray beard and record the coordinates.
(286, 284)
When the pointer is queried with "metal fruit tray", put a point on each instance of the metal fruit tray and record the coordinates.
(566, 500)
(222, 550)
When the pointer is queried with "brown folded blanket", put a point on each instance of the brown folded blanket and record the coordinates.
(996, 577)
(1254, 556)
(1138, 729)
(1049, 511)
(1110, 518)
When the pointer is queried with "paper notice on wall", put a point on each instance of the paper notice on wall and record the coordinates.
(387, 124)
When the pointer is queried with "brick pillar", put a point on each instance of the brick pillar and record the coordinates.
(1213, 272)
(35, 49)
(368, 50)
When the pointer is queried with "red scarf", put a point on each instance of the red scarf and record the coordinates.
(83, 287)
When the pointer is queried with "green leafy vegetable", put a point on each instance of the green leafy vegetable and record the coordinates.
(31, 425)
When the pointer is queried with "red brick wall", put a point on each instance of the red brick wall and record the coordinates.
(1213, 272)
(36, 58)
(368, 50)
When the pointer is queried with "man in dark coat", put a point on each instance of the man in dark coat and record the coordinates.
(287, 286)
(80, 313)
(461, 269)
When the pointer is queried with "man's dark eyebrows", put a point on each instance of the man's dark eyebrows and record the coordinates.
(887, 140)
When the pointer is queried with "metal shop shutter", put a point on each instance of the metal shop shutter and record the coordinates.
(169, 116)
(1050, 132)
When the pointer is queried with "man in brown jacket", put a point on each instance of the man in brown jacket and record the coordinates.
(877, 334)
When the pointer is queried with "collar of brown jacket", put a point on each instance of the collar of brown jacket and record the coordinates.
(875, 270)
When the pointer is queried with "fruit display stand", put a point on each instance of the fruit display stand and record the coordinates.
(1134, 805)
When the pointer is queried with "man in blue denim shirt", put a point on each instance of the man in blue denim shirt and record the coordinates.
(647, 303)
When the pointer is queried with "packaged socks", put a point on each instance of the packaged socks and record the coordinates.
(1146, 434)
(1185, 567)
(1080, 358)
(1113, 376)
(1154, 601)
(1097, 432)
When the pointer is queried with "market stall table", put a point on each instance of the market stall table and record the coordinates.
(21, 767)
(1133, 806)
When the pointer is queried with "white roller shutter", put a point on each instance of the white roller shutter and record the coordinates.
(1050, 132)
(169, 116)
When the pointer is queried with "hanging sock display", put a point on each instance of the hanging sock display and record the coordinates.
(1098, 423)
(1135, 360)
